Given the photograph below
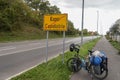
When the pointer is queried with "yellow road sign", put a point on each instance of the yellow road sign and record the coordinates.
(55, 22)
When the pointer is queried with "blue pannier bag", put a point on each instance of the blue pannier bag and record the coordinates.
(104, 56)
(95, 60)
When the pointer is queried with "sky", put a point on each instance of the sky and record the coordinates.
(108, 10)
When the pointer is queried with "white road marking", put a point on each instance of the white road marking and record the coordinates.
(25, 49)
(12, 47)
(7, 48)
(20, 51)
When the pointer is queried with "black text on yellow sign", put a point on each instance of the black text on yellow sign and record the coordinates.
(55, 22)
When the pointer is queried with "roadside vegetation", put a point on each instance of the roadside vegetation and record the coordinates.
(54, 69)
(113, 35)
(23, 20)
(114, 43)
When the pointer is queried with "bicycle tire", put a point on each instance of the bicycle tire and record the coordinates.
(74, 64)
(99, 76)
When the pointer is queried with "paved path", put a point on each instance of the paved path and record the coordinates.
(113, 62)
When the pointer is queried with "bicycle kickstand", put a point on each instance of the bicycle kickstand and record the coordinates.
(91, 76)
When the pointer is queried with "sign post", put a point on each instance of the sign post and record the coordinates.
(47, 46)
(55, 22)
(63, 45)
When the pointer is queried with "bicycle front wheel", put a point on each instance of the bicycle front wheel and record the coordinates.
(74, 64)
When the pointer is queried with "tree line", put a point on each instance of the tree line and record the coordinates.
(17, 14)
(14, 14)
(114, 31)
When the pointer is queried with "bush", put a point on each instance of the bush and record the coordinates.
(4, 24)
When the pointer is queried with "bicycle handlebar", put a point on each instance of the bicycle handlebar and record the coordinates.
(74, 47)
(90, 52)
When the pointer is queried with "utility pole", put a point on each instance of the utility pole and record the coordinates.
(82, 23)
(97, 21)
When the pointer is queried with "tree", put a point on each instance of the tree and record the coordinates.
(16, 14)
(13, 13)
(34, 4)
(54, 10)
(28, 1)
(71, 29)
(114, 28)
(44, 8)
(85, 31)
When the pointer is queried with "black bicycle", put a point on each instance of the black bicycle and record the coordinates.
(77, 62)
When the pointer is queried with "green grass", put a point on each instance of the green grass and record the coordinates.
(28, 33)
(87, 46)
(115, 44)
(54, 69)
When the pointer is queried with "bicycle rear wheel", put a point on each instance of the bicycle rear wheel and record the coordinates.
(99, 72)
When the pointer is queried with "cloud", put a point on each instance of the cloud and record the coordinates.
(102, 4)
(109, 12)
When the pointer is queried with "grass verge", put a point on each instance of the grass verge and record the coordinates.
(115, 44)
(54, 69)
(29, 33)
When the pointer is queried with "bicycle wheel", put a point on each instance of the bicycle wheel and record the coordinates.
(99, 72)
(74, 64)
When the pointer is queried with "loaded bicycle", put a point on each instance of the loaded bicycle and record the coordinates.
(96, 66)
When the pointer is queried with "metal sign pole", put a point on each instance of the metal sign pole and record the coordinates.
(82, 22)
(47, 46)
(97, 22)
(63, 45)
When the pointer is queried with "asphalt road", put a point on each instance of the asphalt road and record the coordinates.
(113, 62)
(18, 57)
